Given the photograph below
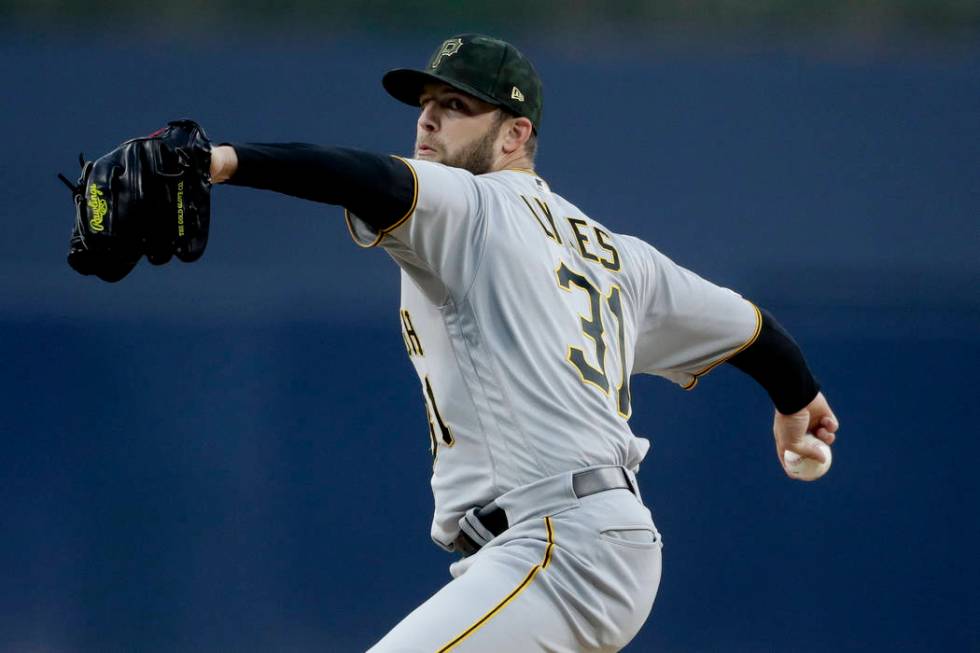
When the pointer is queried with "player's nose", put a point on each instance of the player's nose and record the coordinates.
(428, 121)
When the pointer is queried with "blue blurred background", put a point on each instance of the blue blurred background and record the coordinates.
(232, 455)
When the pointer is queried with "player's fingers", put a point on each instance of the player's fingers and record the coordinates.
(789, 455)
(786, 457)
(825, 435)
(809, 451)
(830, 423)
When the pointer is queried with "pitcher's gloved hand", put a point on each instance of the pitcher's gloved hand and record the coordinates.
(149, 196)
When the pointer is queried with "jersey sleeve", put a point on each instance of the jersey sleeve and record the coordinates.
(439, 241)
(686, 325)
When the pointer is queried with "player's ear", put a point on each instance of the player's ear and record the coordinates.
(517, 132)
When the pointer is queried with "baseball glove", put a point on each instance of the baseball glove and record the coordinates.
(148, 196)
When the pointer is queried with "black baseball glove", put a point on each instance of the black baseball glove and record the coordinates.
(148, 196)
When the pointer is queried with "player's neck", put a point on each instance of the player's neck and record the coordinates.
(515, 161)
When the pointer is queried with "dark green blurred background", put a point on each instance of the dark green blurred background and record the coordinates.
(513, 16)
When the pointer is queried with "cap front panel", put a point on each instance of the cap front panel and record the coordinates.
(487, 68)
(471, 63)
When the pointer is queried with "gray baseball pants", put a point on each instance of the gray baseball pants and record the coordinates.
(569, 575)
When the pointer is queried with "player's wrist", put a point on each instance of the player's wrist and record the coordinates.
(224, 162)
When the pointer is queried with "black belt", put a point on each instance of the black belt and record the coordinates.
(494, 519)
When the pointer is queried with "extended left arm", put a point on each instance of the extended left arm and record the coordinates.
(380, 189)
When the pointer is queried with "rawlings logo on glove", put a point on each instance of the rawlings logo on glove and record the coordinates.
(150, 196)
(98, 207)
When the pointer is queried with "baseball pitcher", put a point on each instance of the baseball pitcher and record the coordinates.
(524, 319)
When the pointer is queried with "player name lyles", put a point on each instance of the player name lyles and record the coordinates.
(591, 242)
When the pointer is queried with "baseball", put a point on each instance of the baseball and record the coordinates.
(807, 469)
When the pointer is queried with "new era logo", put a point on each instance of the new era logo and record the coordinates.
(516, 94)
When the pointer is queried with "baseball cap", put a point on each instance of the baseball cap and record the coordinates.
(482, 66)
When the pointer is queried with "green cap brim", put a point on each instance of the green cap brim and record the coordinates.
(406, 84)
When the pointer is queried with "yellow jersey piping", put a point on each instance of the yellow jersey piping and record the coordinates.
(387, 230)
(758, 328)
(523, 171)
(479, 623)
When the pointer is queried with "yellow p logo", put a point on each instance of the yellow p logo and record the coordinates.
(448, 49)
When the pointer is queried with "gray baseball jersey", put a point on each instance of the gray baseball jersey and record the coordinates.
(525, 318)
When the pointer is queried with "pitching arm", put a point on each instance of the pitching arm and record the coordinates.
(776, 362)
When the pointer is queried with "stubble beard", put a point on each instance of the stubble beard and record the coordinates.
(477, 157)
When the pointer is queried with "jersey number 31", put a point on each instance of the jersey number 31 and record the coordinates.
(593, 328)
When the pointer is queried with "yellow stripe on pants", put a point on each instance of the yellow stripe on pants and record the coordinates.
(479, 623)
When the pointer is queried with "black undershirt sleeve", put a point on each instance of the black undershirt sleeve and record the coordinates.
(377, 188)
(775, 361)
